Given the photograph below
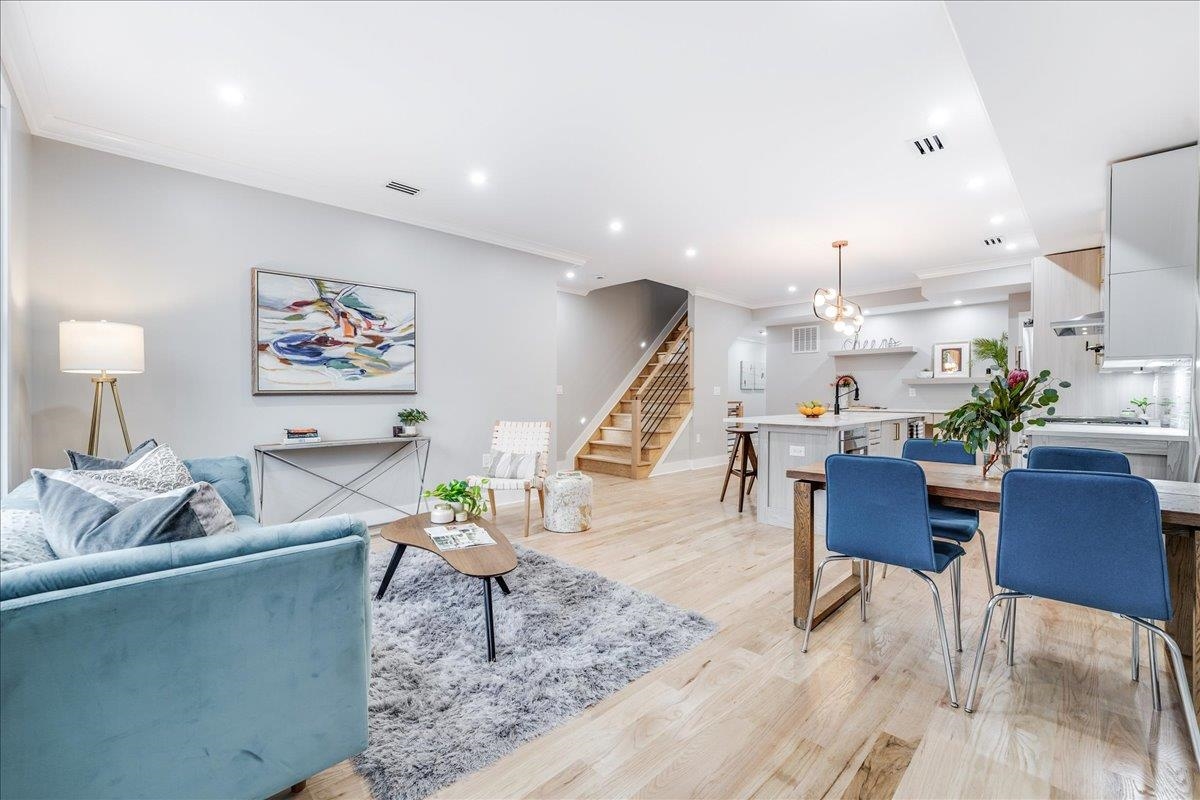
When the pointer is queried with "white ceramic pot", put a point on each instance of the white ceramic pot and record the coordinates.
(461, 516)
(410, 430)
(441, 514)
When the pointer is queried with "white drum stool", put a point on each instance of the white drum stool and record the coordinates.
(568, 503)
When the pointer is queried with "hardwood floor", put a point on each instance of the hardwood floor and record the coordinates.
(863, 714)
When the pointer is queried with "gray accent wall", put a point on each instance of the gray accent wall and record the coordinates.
(124, 240)
(599, 338)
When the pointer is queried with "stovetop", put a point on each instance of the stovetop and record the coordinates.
(1098, 420)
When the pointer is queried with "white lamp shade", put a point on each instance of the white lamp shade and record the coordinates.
(95, 347)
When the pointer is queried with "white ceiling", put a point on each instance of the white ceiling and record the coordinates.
(756, 133)
(1072, 87)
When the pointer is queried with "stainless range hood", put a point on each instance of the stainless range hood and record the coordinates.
(1086, 325)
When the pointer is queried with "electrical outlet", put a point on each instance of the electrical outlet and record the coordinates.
(716, 390)
(697, 438)
(558, 389)
(912, 392)
(796, 450)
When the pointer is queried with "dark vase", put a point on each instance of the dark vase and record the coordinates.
(397, 430)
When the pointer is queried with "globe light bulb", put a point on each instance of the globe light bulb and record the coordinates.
(819, 298)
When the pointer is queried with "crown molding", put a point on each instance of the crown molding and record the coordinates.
(976, 266)
(573, 290)
(720, 298)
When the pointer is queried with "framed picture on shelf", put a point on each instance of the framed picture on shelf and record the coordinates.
(314, 335)
(952, 360)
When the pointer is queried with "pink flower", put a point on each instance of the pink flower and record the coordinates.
(1017, 377)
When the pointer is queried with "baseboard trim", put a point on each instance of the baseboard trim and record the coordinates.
(687, 464)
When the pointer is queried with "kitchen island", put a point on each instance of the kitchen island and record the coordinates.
(788, 441)
(1154, 452)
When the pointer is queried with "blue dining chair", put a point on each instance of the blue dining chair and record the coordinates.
(877, 510)
(1091, 459)
(1092, 539)
(956, 524)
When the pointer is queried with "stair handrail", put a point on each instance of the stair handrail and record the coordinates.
(671, 351)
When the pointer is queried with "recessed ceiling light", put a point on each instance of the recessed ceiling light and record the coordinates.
(690, 252)
(866, 312)
(583, 420)
(939, 117)
(1010, 246)
(791, 288)
(975, 183)
(570, 273)
(997, 219)
(958, 302)
(477, 178)
(642, 345)
(616, 226)
(231, 95)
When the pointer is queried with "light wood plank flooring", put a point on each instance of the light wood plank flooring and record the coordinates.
(862, 714)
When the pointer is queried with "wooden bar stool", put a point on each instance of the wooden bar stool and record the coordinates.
(748, 467)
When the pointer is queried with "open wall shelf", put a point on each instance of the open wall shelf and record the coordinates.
(875, 351)
(983, 380)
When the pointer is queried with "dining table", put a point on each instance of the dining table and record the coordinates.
(963, 486)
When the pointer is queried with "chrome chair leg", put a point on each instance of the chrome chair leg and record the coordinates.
(1135, 654)
(941, 623)
(956, 597)
(1181, 684)
(863, 588)
(987, 565)
(884, 575)
(1008, 612)
(812, 603)
(1155, 692)
(1012, 629)
(983, 637)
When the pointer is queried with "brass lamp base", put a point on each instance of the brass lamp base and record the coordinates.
(98, 382)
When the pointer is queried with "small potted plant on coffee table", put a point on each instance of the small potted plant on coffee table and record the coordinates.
(410, 418)
(463, 498)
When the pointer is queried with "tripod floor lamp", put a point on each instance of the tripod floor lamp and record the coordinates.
(103, 350)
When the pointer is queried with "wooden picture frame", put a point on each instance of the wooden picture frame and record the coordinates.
(315, 335)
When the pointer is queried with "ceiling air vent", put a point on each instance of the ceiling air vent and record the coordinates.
(403, 188)
(992, 241)
(804, 339)
(928, 145)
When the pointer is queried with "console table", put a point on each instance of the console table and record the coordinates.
(403, 448)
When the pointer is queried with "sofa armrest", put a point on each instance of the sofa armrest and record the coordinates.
(230, 677)
(94, 568)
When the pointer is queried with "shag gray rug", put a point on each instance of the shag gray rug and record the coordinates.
(565, 639)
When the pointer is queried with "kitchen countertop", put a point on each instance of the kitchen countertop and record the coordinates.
(1101, 431)
(890, 410)
(827, 421)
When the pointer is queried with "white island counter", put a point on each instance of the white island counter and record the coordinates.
(786, 441)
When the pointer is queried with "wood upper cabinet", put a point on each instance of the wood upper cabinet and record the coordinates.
(1153, 211)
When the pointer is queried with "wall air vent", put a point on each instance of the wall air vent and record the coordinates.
(992, 241)
(403, 188)
(804, 339)
(928, 145)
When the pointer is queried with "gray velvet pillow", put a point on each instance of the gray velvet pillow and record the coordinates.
(83, 515)
(84, 461)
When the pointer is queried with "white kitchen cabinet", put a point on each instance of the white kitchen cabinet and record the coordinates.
(1150, 314)
(1153, 211)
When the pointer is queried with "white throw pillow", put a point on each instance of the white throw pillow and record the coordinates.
(158, 471)
(512, 465)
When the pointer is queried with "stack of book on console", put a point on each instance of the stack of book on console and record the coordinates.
(300, 435)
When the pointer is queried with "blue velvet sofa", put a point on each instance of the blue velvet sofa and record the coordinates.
(232, 666)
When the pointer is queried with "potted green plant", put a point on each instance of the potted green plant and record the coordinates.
(1143, 405)
(410, 418)
(994, 350)
(461, 496)
(992, 415)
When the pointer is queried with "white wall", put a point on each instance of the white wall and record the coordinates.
(18, 424)
(792, 378)
(599, 337)
(125, 240)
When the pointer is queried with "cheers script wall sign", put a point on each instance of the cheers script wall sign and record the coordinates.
(856, 343)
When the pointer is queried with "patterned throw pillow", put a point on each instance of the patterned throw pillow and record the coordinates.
(84, 515)
(512, 465)
(84, 461)
(157, 471)
(22, 539)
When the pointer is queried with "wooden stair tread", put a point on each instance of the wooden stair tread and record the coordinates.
(610, 459)
(624, 444)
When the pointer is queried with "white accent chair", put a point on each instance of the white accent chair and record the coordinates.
(520, 437)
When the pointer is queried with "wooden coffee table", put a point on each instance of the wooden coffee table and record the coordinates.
(485, 562)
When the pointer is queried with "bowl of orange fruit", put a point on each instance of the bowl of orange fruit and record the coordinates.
(811, 409)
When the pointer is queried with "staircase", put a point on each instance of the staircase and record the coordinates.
(633, 437)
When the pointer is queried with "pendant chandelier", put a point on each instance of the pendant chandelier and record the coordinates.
(833, 306)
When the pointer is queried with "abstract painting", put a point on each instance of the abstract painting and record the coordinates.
(328, 336)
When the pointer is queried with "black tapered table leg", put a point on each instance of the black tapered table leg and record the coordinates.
(487, 618)
(391, 569)
(503, 586)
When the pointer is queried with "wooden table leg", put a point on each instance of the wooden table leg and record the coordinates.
(804, 549)
(1183, 570)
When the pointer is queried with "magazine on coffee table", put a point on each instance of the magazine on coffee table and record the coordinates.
(458, 536)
